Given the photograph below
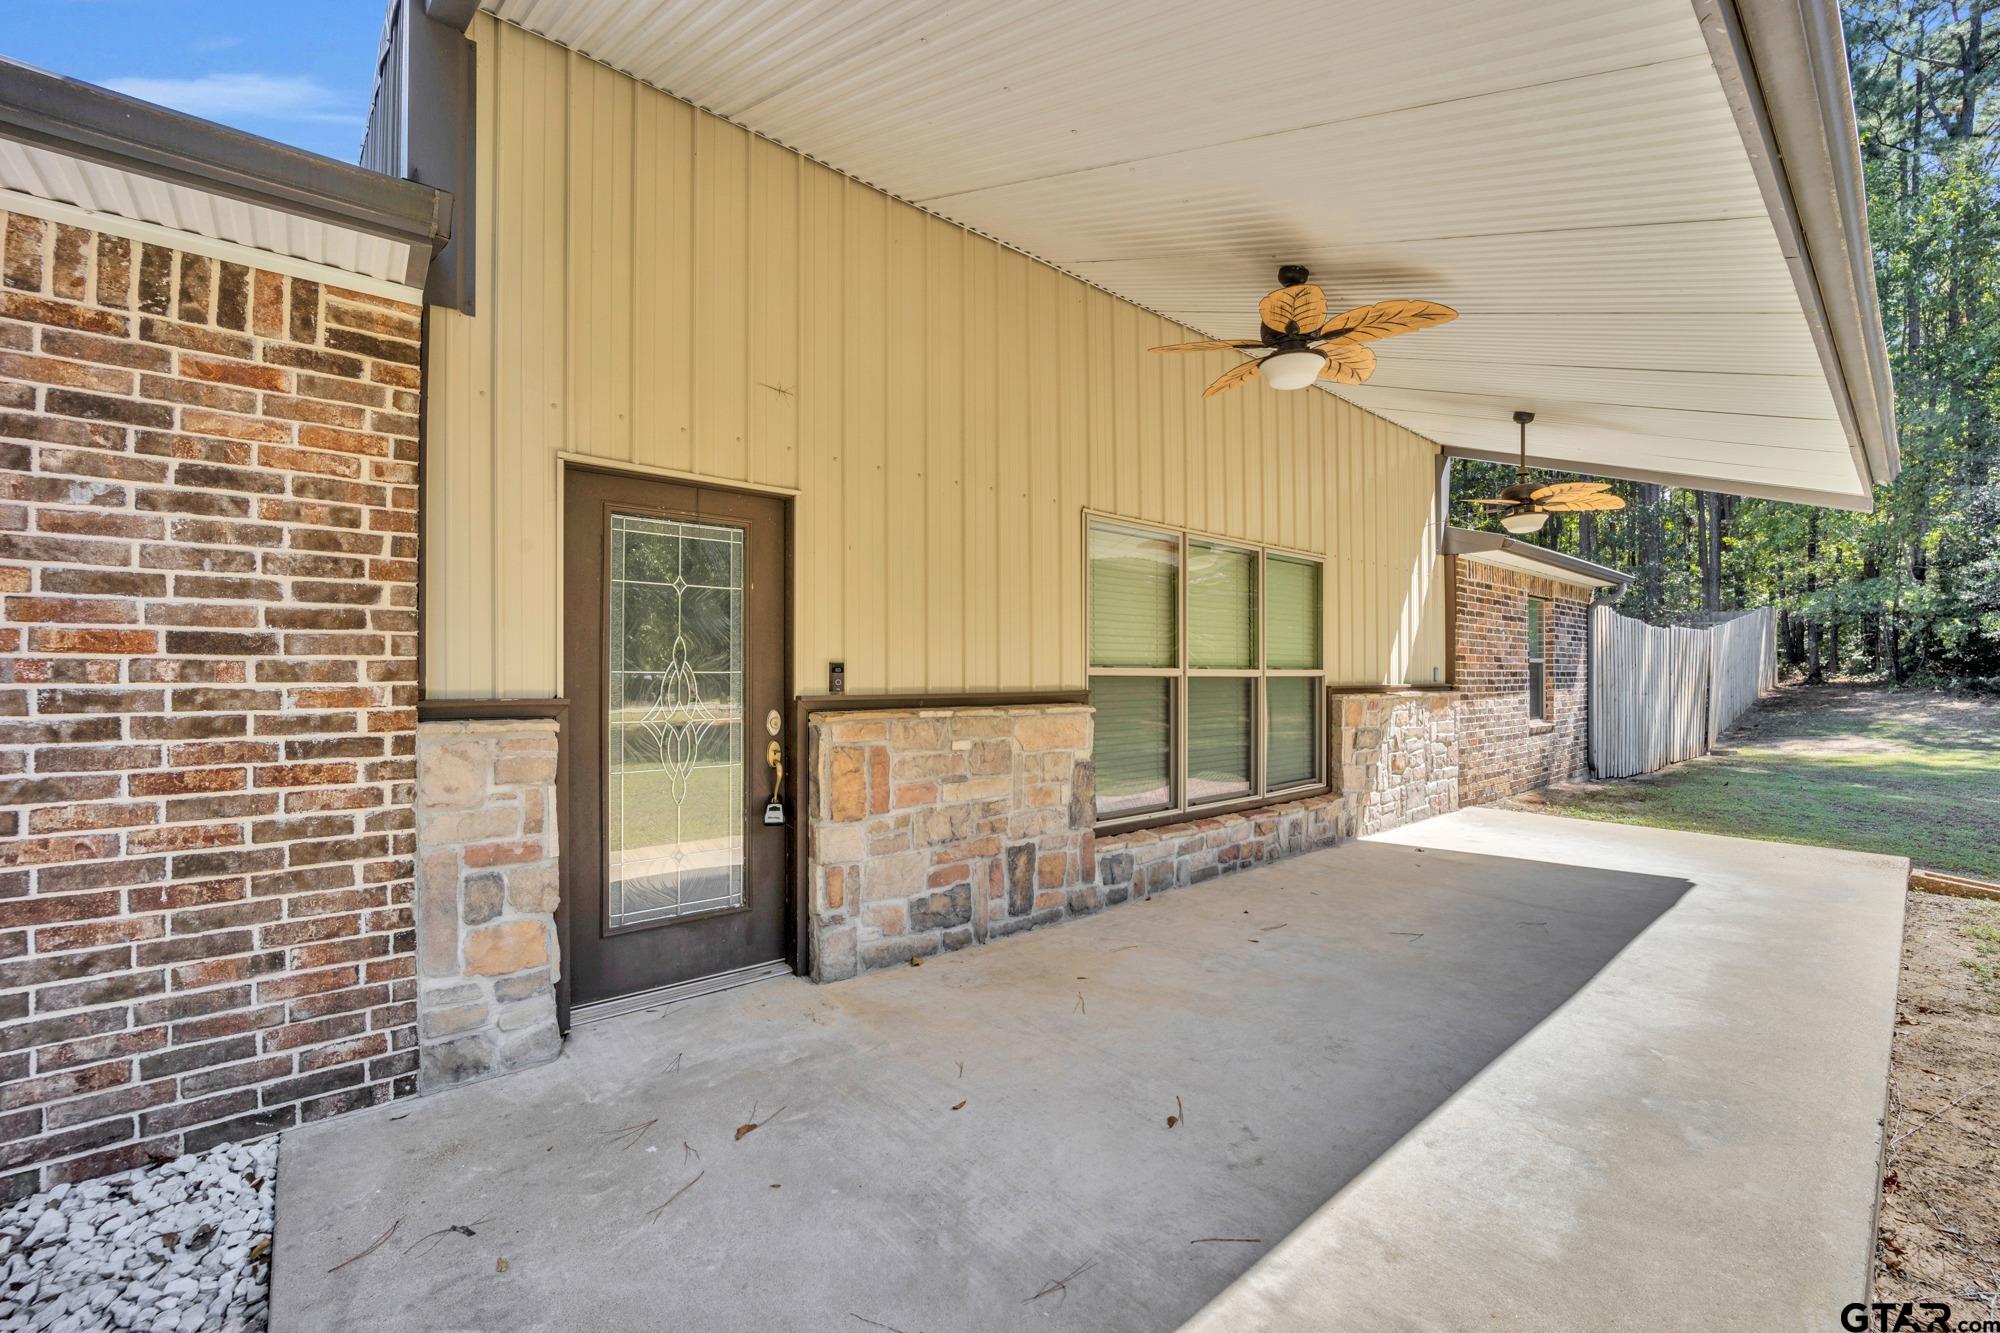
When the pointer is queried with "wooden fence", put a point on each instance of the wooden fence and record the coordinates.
(1742, 666)
(1659, 695)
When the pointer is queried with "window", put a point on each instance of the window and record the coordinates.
(1205, 669)
(1538, 692)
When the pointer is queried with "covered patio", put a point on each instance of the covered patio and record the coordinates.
(1613, 1068)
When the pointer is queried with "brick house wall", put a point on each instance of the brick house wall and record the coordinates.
(207, 690)
(1501, 751)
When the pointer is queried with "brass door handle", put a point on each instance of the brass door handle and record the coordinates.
(774, 755)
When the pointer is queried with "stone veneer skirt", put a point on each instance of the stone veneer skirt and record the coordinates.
(487, 889)
(933, 829)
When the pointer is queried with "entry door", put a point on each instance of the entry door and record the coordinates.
(675, 652)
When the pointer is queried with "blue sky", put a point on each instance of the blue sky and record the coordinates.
(298, 71)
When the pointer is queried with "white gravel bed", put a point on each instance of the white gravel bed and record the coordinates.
(184, 1245)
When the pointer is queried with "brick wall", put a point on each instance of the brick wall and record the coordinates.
(1501, 751)
(207, 616)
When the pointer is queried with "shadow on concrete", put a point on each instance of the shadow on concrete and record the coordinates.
(1298, 1019)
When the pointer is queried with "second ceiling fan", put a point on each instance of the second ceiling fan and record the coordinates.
(1308, 344)
(1526, 505)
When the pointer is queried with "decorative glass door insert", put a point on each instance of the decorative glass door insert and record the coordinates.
(674, 788)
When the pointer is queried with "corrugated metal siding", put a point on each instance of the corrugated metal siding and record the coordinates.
(382, 139)
(662, 289)
(1568, 174)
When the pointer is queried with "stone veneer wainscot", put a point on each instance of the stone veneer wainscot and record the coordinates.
(934, 829)
(1147, 861)
(488, 883)
(1398, 755)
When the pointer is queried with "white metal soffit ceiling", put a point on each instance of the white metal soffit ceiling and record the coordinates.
(1569, 175)
(95, 187)
(44, 173)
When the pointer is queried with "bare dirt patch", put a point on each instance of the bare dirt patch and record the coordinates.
(1938, 1237)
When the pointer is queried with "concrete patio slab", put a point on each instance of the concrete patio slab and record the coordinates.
(1721, 1012)
(1691, 1141)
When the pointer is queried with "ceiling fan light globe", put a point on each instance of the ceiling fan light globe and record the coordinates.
(1291, 370)
(1521, 524)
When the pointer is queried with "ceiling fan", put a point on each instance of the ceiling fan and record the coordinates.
(1307, 344)
(1524, 506)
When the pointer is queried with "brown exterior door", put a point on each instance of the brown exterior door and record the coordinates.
(674, 664)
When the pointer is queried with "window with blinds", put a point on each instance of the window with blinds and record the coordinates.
(1206, 671)
(1538, 691)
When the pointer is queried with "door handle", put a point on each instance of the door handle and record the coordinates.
(774, 809)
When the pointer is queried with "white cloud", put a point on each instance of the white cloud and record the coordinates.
(235, 96)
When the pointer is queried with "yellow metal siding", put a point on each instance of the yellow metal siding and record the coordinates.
(661, 289)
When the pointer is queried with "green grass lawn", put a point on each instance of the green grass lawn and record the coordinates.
(645, 812)
(1911, 774)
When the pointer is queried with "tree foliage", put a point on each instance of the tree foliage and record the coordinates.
(1910, 591)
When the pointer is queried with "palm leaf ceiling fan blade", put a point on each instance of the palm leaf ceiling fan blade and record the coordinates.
(1304, 346)
(1210, 345)
(1573, 504)
(1565, 489)
(1385, 319)
(1234, 377)
(1299, 308)
(1348, 364)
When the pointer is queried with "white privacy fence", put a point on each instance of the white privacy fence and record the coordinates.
(1742, 666)
(1661, 694)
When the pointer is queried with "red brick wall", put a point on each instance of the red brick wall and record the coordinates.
(207, 727)
(1502, 752)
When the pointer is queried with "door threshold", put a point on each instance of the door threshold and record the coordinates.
(681, 990)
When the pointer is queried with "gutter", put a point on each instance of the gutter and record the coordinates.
(1783, 66)
(1863, 501)
(84, 121)
(1473, 543)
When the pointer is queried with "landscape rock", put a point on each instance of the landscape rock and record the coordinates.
(171, 1246)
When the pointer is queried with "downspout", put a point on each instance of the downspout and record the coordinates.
(1590, 683)
(1448, 563)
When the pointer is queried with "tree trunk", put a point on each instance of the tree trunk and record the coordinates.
(1709, 524)
(1738, 591)
(1652, 523)
(1894, 632)
(1912, 312)
(1871, 623)
(1971, 61)
(1815, 669)
(1586, 535)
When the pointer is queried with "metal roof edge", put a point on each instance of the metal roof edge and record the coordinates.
(1570, 568)
(1783, 66)
(102, 126)
(1792, 494)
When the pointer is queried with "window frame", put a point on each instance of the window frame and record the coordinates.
(1179, 809)
(1536, 613)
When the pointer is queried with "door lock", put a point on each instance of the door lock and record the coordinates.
(774, 809)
